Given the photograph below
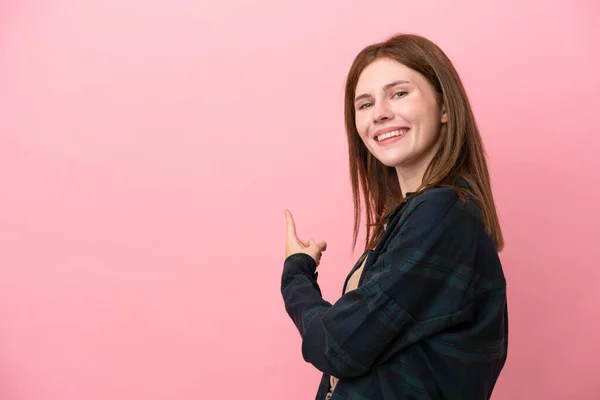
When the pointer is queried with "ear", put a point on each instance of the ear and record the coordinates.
(444, 114)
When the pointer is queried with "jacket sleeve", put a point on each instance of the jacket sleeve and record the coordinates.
(421, 284)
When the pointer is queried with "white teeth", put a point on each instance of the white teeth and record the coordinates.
(388, 135)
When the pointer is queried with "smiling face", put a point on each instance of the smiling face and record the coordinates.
(398, 118)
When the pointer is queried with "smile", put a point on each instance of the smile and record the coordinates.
(390, 137)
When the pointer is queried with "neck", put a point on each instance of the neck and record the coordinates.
(410, 175)
(409, 179)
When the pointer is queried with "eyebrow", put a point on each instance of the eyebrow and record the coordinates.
(386, 87)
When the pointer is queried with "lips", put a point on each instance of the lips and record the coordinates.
(387, 130)
(386, 134)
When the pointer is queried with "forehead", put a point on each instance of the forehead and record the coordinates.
(383, 71)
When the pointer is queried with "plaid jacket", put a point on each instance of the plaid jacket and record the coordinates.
(428, 320)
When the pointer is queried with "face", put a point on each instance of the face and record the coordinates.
(397, 116)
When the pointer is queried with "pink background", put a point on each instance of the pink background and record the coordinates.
(148, 149)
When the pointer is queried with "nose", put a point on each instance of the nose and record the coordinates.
(382, 112)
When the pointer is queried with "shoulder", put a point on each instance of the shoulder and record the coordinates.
(442, 207)
(444, 197)
(433, 203)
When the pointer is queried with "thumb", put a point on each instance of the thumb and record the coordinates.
(322, 246)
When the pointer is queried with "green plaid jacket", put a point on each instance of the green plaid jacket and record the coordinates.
(429, 318)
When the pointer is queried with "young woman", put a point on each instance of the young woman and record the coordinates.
(423, 313)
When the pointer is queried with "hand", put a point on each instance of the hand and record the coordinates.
(295, 245)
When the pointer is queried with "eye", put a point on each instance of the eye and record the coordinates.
(400, 94)
(365, 105)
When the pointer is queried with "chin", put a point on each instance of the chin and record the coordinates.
(388, 163)
(391, 164)
(392, 161)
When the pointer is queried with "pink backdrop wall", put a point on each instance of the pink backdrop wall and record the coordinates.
(148, 149)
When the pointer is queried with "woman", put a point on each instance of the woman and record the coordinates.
(423, 313)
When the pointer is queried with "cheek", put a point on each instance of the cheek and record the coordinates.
(362, 125)
(410, 110)
(422, 114)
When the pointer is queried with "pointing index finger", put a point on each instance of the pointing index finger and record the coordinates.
(291, 226)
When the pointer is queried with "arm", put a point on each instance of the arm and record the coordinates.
(422, 284)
